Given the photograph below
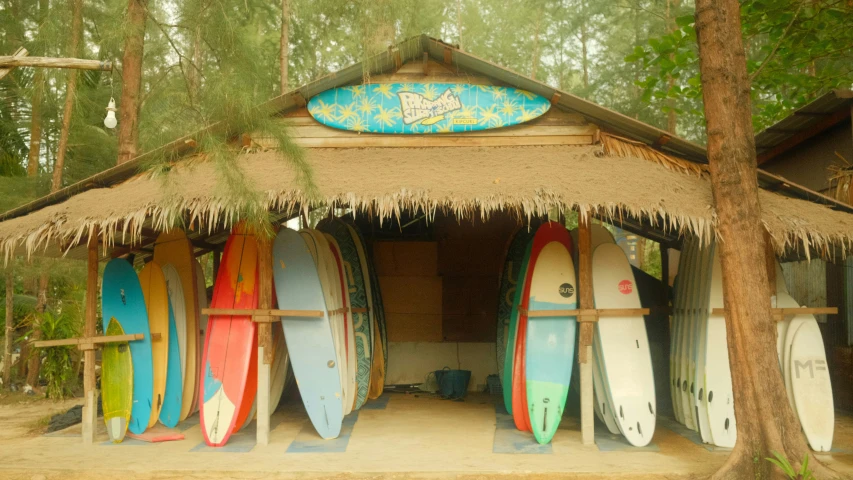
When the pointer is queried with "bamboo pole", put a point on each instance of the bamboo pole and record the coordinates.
(21, 52)
(585, 338)
(265, 346)
(7, 61)
(89, 414)
(259, 312)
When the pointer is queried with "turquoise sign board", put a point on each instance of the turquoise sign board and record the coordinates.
(417, 108)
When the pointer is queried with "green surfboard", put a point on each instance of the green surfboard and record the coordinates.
(509, 358)
(116, 384)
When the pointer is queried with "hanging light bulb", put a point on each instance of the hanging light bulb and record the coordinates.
(110, 121)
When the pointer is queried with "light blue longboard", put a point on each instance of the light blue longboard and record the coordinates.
(418, 108)
(172, 400)
(358, 298)
(121, 298)
(550, 340)
(309, 340)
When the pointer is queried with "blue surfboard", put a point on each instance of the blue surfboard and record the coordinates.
(121, 298)
(309, 340)
(170, 413)
(418, 108)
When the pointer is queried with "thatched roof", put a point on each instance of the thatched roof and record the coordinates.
(467, 181)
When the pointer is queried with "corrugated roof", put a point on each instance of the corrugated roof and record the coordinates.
(805, 122)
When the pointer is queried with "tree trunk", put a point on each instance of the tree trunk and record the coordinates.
(534, 64)
(751, 330)
(284, 46)
(35, 353)
(584, 50)
(459, 22)
(70, 94)
(671, 117)
(131, 79)
(10, 327)
(35, 123)
(194, 75)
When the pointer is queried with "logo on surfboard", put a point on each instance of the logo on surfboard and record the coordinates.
(417, 108)
(626, 287)
(567, 290)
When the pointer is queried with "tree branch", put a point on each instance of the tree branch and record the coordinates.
(778, 44)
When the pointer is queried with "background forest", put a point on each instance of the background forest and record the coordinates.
(207, 60)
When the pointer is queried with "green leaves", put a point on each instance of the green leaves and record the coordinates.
(783, 464)
(794, 54)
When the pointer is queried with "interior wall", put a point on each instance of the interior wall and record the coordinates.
(440, 292)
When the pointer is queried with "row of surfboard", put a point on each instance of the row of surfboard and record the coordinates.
(536, 350)
(700, 374)
(145, 381)
(337, 356)
(159, 378)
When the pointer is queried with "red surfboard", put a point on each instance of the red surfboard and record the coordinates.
(230, 342)
(545, 234)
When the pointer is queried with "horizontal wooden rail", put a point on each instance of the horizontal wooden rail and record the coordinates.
(782, 312)
(263, 312)
(591, 315)
(89, 340)
(75, 63)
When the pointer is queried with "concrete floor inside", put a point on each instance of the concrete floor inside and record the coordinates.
(396, 436)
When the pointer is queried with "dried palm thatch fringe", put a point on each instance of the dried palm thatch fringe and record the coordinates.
(625, 147)
(841, 180)
(463, 181)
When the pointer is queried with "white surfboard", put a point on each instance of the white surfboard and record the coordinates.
(603, 410)
(679, 295)
(627, 365)
(700, 315)
(810, 385)
(179, 309)
(784, 300)
(332, 291)
(279, 367)
(685, 370)
(718, 377)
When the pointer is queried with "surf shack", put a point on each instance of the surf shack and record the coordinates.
(447, 168)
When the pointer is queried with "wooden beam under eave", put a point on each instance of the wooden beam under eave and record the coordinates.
(796, 139)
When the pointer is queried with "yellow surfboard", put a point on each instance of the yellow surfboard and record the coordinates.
(157, 303)
(174, 248)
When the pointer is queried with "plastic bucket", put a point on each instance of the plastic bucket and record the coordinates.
(453, 383)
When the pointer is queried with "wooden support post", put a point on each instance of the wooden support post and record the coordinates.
(265, 346)
(587, 330)
(89, 393)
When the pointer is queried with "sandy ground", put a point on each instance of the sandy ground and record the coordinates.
(20, 416)
(410, 438)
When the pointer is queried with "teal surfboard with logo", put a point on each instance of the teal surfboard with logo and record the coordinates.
(419, 108)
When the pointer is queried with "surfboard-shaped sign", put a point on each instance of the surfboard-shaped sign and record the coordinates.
(418, 108)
